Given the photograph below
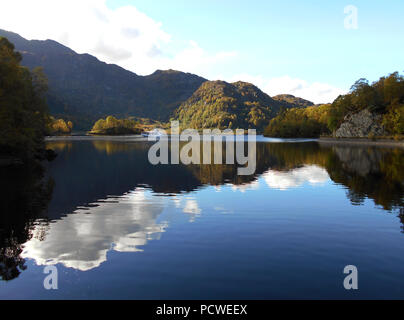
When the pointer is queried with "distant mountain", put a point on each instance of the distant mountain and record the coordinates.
(292, 100)
(218, 104)
(84, 89)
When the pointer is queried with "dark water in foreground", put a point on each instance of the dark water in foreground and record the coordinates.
(117, 227)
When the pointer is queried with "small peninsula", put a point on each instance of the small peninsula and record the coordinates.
(114, 126)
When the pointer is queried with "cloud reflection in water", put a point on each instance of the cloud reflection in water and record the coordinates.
(296, 177)
(82, 240)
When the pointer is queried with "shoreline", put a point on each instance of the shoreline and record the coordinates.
(95, 138)
(362, 141)
(324, 141)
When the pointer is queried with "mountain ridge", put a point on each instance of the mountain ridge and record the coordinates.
(291, 99)
(84, 89)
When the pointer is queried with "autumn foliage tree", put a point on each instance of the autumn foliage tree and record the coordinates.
(112, 125)
(308, 122)
(385, 96)
(59, 126)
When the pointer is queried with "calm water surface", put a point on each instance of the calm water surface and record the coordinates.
(117, 227)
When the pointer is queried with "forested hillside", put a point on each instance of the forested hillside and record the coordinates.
(114, 126)
(218, 104)
(292, 100)
(83, 89)
(383, 101)
(384, 97)
(307, 122)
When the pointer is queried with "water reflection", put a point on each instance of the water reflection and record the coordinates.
(82, 240)
(24, 196)
(124, 224)
(295, 177)
(372, 173)
(107, 196)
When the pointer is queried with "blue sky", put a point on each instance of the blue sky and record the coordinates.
(305, 39)
(298, 47)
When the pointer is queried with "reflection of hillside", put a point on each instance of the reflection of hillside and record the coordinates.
(23, 197)
(277, 156)
(375, 173)
(288, 156)
(111, 147)
(59, 146)
(369, 172)
(218, 174)
(93, 170)
(85, 174)
(86, 171)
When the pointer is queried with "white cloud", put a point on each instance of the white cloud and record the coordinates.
(133, 40)
(124, 36)
(195, 58)
(316, 92)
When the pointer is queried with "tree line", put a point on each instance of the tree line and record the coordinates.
(23, 111)
(385, 97)
(114, 126)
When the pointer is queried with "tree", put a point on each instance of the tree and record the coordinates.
(385, 96)
(112, 125)
(23, 111)
(59, 126)
(299, 122)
